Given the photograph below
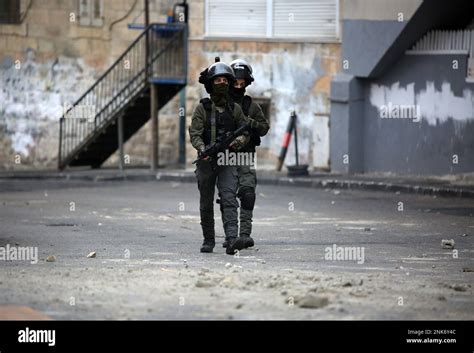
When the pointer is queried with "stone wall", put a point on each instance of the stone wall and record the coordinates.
(48, 60)
(31, 103)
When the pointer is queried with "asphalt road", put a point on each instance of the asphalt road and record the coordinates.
(147, 236)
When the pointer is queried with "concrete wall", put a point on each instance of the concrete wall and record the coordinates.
(369, 28)
(379, 10)
(437, 137)
(347, 123)
(416, 119)
(440, 140)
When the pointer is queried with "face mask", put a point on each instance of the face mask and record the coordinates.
(237, 93)
(220, 93)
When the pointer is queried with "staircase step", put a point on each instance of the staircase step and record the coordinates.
(136, 115)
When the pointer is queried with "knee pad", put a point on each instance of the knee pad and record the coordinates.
(247, 199)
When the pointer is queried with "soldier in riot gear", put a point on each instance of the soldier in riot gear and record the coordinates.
(212, 119)
(259, 127)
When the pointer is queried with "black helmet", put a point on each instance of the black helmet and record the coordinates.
(242, 69)
(217, 69)
(220, 69)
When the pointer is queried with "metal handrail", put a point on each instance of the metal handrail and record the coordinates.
(117, 86)
(135, 77)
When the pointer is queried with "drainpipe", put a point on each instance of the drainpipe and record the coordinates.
(153, 95)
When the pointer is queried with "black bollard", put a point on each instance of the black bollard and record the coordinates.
(297, 169)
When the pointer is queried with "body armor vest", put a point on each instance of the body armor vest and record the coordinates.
(224, 121)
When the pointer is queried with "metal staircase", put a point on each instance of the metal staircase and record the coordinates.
(119, 101)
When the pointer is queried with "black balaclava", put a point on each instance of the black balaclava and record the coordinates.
(220, 94)
(237, 94)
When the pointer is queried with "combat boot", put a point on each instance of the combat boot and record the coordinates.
(234, 244)
(248, 241)
(208, 245)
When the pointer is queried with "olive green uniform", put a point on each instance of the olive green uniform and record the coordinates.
(247, 178)
(208, 173)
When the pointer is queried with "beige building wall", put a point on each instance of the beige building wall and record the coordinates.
(52, 29)
(59, 59)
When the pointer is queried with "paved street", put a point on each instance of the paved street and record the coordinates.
(146, 236)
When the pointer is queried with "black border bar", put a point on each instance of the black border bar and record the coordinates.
(241, 336)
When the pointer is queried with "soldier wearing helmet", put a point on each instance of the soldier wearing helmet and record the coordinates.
(211, 120)
(259, 127)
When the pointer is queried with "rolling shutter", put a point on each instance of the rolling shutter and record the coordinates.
(283, 18)
(305, 18)
(245, 18)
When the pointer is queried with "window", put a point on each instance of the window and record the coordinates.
(236, 18)
(9, 11)
(314, 19)
(91, 13)
(305, 18)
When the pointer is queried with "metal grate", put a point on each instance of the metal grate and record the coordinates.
(439, 40)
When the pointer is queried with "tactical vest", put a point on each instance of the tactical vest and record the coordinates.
(217, 123)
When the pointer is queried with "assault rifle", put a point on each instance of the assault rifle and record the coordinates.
(222, 143)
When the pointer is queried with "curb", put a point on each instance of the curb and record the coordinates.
(339, 184)
(368, 185)
(317, 183)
